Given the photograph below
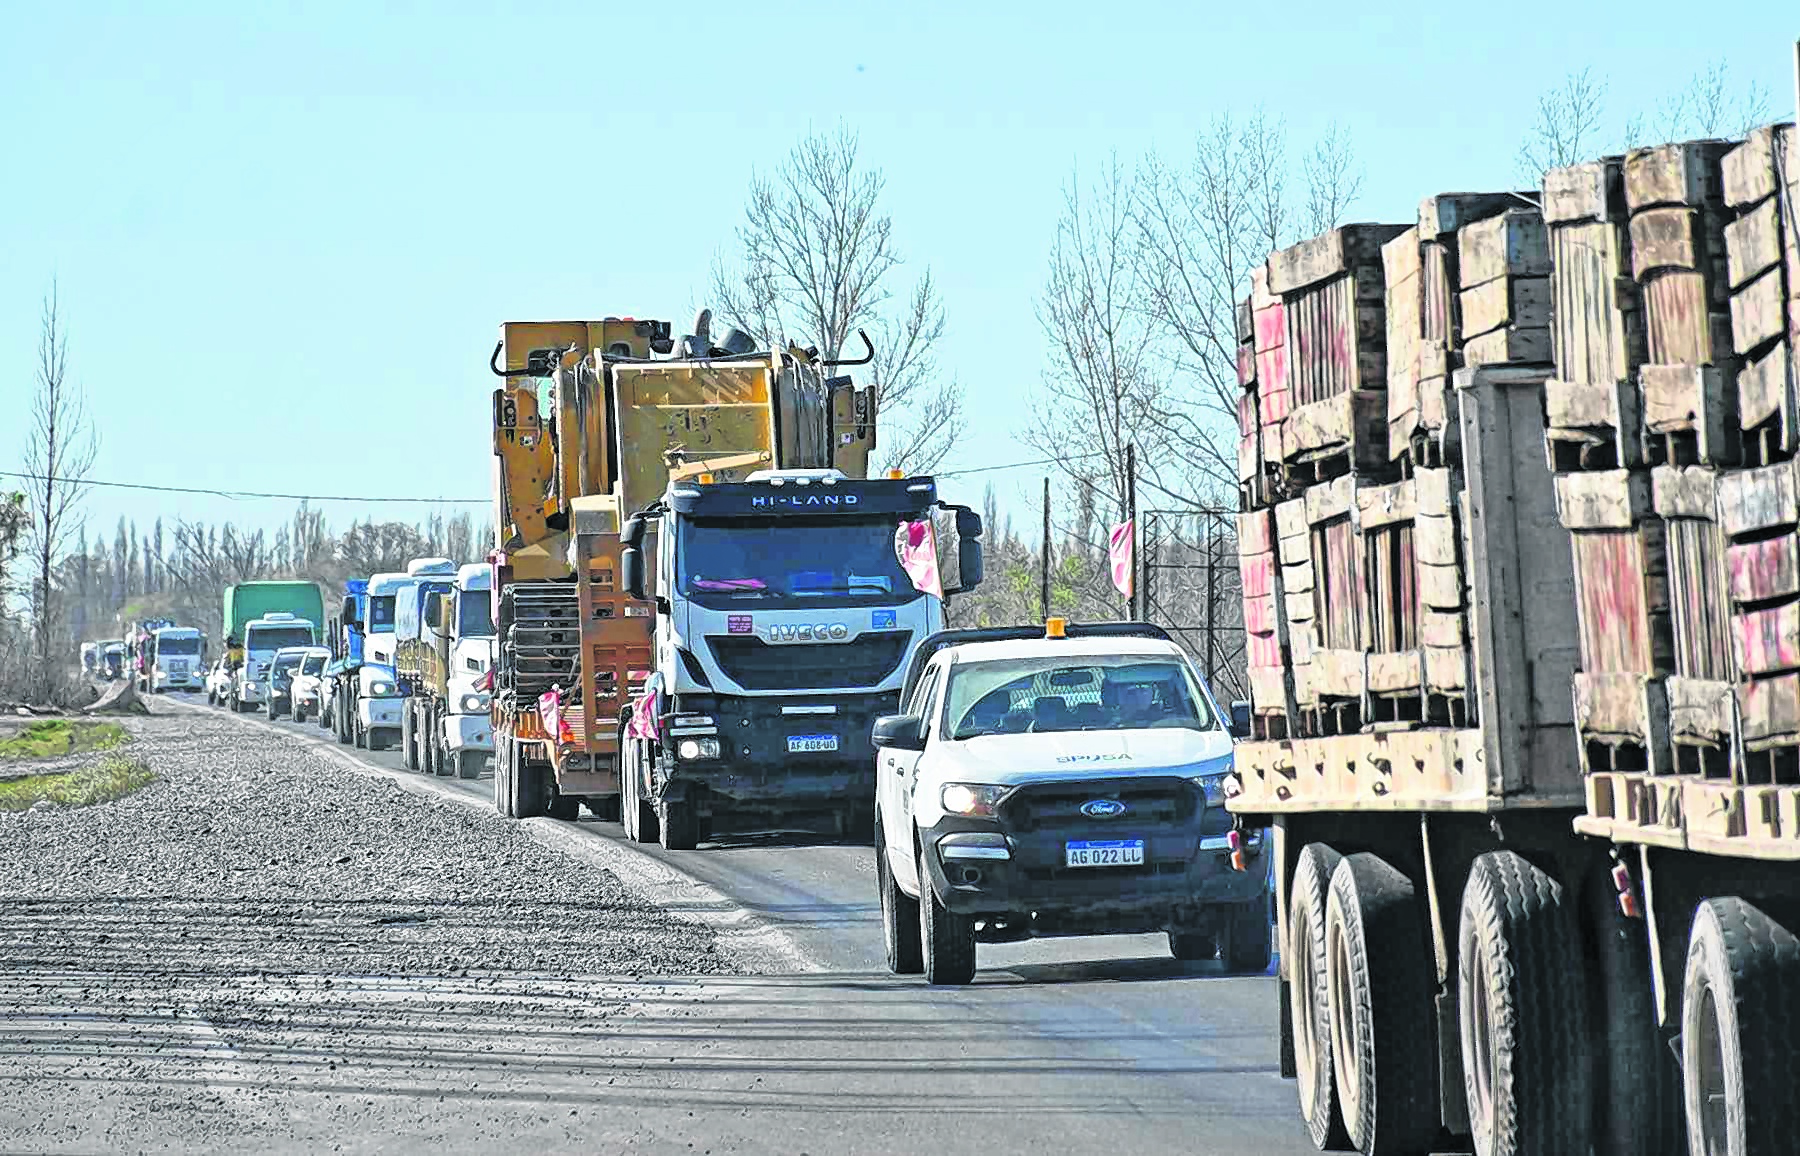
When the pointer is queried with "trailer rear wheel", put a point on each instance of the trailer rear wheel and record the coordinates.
(1380, 979)
(1523, 1011)
(1637, 1098)
(1740, 1004)
(1304, 952)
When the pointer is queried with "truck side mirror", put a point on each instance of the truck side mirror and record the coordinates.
(632, 532)
(968, 523)
(968, 564)
(631, 568)
(1240, 719)
(434, 610)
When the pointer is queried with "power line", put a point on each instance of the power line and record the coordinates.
(237, 495)
(1017, 465)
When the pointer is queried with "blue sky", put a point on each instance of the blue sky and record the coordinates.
(284, 234)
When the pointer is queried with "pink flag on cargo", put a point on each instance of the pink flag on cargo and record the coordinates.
(915, 544)
(549, 706)
(643, 724)
(1119, 550)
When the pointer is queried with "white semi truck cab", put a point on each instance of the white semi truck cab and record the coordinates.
(785, 620)
(177, 659)
(262, 638)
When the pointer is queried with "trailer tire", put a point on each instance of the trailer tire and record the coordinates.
(1310, 1002)
(947, 939)
(1381, 983)
(899, 916)
(468, 764)
(1637, 1094)
(676, 823)
(409, 746)
(1522, 1011)
(1740, 1005)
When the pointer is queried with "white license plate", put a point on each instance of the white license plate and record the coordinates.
(797, 743)
(1104, 853)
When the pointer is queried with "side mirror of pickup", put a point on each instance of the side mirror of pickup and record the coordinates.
(902, 732)
(631, 570)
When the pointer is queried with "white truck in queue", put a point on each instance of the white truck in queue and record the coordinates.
(177, 659)
(262, 638)
(445, 632)
(375, 716)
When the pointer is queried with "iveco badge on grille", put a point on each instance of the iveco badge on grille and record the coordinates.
(1102, 808)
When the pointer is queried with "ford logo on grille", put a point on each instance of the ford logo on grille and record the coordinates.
(1102, 808)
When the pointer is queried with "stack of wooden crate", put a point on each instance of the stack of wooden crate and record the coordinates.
(1353, 541)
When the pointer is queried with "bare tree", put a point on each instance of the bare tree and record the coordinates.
(1202, 227)
(59, 452)
(1101, 393)
(1567, 127)
(815, 263)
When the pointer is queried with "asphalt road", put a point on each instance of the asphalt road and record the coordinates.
(1091, 1042)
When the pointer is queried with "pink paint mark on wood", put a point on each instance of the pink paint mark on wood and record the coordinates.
(1256, 532)
(1263, 650)
(1615, 627)
(1258, 572)
(1271, 327)
(1272, 371)
(1767, 640)
(1762, 570)
(1259, 614)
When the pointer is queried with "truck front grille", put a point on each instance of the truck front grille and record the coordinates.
(863, 662)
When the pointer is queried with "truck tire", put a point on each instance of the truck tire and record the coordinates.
(1248, 942)
(900, 929)
(1740, 1003)
(947, 939)
(360, 736)
(443, 762)
(503, 758)
(468, 764)
(1381, 981)
(676, 824)
(1192, 946)
(639, 814)
(409, 745)
(1637, 1093)
(1304, 952)
(1522, 1010)
(604, 808)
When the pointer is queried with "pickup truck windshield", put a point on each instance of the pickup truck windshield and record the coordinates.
(312, 664)
(177, 646)
(275, 637)
(1061, 693)
(381, 613)
(474, 614)
(791, 562)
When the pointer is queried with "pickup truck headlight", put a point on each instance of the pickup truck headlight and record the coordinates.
(381, 688)
(976, 800)
(473, 704)
(698, 749)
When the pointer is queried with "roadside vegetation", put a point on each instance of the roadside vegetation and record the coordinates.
(113, 777)
(53, 738)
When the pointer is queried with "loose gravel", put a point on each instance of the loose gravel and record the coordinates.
(167, 959)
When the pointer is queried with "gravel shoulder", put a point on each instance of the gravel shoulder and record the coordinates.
(258, 885)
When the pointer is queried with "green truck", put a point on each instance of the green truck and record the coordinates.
(263, 617)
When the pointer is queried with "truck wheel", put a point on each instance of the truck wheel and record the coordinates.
(361, 736)
(1249, 940)
(900, 928)
(502, 772)
(640, 813)
(1637, 1098)
(377, 740)
(675, 820)
(443, 762)
(1304, 952)
(1380, 982)
(409, 746)
(526, 788)
(1192, 946)
(468, 764)
(1522, 1004)
(1739, 1004)
(604, 808)
(947, 939)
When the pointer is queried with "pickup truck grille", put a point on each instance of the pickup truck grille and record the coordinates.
(863, 662)
(1154, 801)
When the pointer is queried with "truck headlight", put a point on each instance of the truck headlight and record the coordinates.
(976, 800)
(691, 749)
(473, 704)
(380, 688)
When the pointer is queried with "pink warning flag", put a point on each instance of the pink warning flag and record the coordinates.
(643, 723)
(557, 727)
(1119, 550)
(915, 544)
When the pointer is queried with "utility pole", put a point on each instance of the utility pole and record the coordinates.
(1131, 604)
(1044, 559)
(1212, 600)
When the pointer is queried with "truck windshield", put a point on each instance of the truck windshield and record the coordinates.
(1073, 693)
(791, 561)
(275, 637)
(173, 646)
(381, 613)
(474, 614)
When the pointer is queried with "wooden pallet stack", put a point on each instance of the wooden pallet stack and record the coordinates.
(1759, 506)
(1352, 533)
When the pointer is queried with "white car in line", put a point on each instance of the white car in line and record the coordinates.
(307, 689)
(1069, 780)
